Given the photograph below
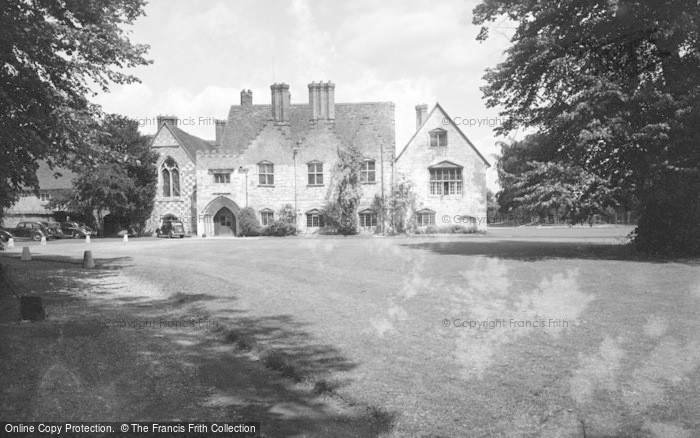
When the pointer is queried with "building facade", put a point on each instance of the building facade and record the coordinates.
(447, 171)
(32, 206)
(281, 154)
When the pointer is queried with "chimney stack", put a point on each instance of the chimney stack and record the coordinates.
(166, 120)
(421, 114)
(322, 101)
(219, 126)
(246, 98)
(281, 102)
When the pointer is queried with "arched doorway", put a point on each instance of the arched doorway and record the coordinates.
(219, 217)
(224, 222)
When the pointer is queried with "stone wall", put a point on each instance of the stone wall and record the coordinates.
(418, 156)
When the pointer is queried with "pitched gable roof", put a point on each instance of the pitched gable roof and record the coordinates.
(452, 122)
(245, 122)
(190, 143)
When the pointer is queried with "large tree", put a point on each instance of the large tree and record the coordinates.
(123, 182)
(54, 56)
(612, 90)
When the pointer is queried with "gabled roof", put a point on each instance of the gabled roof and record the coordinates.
(190, 143)
(452, 122)
(245, 122)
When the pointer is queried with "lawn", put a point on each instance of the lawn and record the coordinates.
(524, 332)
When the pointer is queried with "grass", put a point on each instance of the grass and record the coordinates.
(361, 319)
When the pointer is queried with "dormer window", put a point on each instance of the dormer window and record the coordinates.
(438, 138)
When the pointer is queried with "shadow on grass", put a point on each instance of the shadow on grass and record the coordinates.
(103, 356)
(535, 250)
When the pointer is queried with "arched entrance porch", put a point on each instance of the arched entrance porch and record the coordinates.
(220, 218)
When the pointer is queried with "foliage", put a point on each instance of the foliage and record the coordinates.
(543, 188)
(286, 214)
(279, 228)
(402, 206)
(492, 207)
(51, 53)
(613, 96)
(124, 180)
(248, 222)
(340, 210)
(447, 229)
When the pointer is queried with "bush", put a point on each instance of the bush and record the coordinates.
(279, 228)
(249, 225)
(431, 229)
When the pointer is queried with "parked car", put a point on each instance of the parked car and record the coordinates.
(171, 228)
(54, 229)
(75, 230)
(5, 235)
(31, 230)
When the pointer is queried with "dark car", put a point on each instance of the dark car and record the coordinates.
(54, 229)
(75, 230)
(31, 230)
(171, 228)
(5, 235)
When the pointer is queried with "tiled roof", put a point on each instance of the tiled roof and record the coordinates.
(189, 142)
(245, 122)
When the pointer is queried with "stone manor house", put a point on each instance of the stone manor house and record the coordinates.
(267, 156)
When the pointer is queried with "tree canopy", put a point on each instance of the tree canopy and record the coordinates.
(123, 182)
(612, 91)
(54, 56)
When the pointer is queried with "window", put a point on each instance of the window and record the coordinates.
(368, 219)
(171, 178)
(425, 218)
(315, 174)
(314, 219)
(446, 181)
(367, 175)
(222, 178)
(267, 217)
(266, 174)
(438, 138)
(44, 197)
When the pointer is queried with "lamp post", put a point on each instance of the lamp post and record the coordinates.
(295, 151)
(244, 170)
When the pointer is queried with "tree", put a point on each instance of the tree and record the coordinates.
(345, 191)
(124, 180)
(492, 209)
(249, 224)
(532, 185)
(612, 91)
(402, 206)
(51, 56)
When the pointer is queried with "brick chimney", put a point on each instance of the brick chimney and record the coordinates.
(281, 102)
(169, 120)
(246, 98)
(421, 114)
(219, 126)
(322, 100)
(314, 102)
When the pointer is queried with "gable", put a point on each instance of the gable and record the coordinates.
(445, 120)
(172, 136)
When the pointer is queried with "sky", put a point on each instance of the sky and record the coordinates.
(404, 51)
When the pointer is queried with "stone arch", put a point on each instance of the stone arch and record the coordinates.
(223, 202)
